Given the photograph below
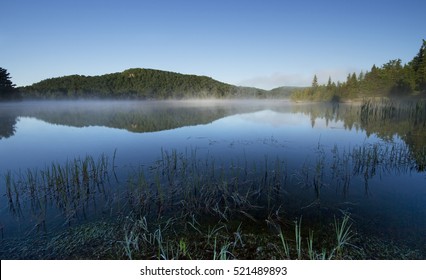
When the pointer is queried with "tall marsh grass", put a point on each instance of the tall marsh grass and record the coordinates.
(72, 188)
(390, 110)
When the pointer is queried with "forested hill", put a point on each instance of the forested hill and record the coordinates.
(136, 83)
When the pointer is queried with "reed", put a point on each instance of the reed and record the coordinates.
(130, 244)
(310, 242)
(194, 224)
(388, 110)
(297, 233)
(238, 241)
(223, 252)
(284, 244)
(183, 248)
(8, 181)
(212, 232)
(343, 234)
(69, 187)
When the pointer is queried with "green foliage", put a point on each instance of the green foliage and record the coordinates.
(136, 83)
(282, 92)
(418, 64)
(7, 88)
(392, 79)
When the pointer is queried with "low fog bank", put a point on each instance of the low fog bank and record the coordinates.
(104, 104)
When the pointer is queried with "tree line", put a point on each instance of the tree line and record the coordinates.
(392, 79)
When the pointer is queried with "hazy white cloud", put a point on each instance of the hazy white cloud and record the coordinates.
(296, 79)
(335, 74)
(277, 80)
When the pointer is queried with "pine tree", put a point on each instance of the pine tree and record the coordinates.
(6, 86)
(361, 76)
(315, 82)
(419, 66)
(329, 85)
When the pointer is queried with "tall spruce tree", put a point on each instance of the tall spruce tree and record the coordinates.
(315, 82)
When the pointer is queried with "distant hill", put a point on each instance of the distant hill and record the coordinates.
(137, 83)
(283, 92)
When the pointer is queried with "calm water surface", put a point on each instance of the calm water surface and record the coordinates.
(386, 198)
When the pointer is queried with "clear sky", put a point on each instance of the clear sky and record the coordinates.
(264, 43)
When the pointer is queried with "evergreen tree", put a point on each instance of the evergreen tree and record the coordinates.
(361, 76)
(315, 82)
(7, 88)
(329, 85)
(419, 66)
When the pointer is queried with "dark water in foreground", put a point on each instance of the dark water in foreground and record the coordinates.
(328, 157)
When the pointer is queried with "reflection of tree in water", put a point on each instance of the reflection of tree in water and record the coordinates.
(384, 118)
(407, 119)
(7, 126)
(416, 141)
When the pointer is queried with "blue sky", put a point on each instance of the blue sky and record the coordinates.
(263, 43)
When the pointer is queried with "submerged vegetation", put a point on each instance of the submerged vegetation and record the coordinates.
(70, 190)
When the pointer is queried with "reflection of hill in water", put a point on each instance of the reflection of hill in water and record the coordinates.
(385, 119)
(148, 116)
(132, 119)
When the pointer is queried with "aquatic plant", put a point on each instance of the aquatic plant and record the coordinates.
(297, 229)
(284, 244)
(71, 189)
(343, 234)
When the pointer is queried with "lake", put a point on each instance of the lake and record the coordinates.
(239, 170)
